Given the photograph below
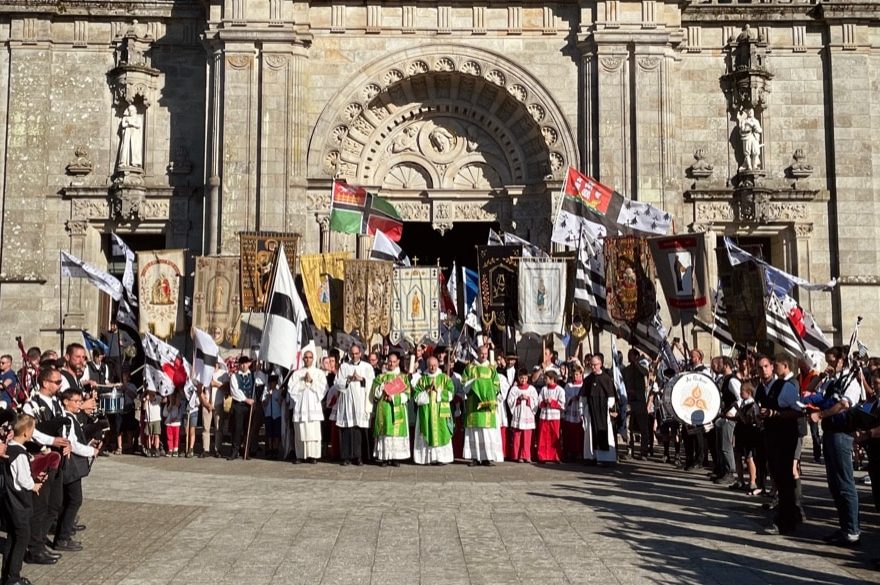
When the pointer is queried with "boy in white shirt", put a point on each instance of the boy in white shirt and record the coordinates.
(523, 402)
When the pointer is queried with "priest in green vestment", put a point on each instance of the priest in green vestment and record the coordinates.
(482, 436)
(391, 391)
(432, 393)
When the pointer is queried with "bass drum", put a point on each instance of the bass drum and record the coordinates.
(692, 398)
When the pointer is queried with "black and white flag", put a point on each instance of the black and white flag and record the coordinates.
(164, 368)
(385, 249)
(779, 329)
(719, 328)
(285, 319)
(73, 267)
(127, 276)
(205, 357)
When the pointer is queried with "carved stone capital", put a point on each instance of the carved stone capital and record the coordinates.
(803, 230)
(76, 227)
(323, 221)
(442, 227)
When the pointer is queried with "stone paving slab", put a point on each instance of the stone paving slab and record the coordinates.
(200, 522)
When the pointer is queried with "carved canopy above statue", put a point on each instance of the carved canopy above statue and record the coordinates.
(442, 117)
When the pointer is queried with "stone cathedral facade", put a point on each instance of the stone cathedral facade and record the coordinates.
(180, 123)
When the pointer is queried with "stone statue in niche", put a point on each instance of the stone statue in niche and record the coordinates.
(750, 133)
(131, 141)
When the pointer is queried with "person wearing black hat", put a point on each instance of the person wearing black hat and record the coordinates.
(242, 387)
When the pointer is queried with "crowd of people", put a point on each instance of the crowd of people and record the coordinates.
(427, 407)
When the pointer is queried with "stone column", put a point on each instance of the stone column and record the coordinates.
(614, 114)
(803, 257)
(323, 222)
(74, 311)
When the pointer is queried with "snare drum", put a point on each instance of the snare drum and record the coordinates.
(112, 402)
(692, 398)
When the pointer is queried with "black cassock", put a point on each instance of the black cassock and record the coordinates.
(598, 388)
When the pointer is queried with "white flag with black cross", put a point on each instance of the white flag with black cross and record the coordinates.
(285, 318)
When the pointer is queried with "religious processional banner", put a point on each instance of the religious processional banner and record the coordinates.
(160, 273)
(368, 285)
(629, 279)
(216, 299)
(257, 264)
(499, 269)
(542, 287)
(683, 271)
(743, 287)
(415, 304)
(322, 276)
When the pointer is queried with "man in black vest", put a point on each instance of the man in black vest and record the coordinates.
(765, 380)
(780, 411)
(729, 385)
(242, 387)
(47, 412)
(75, 468)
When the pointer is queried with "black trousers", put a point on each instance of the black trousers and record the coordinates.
(873, 448)
(73, 499)
(18, 535)
(351, 442)
(240, 413)
(47, 508)
(640, 422)
(694, 447)
(780, 443)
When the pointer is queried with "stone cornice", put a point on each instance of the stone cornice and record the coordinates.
(779, 11)
(721, 194)
(144, 9)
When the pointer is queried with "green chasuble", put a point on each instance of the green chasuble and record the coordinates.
(481, 395)
(391, 420)
(435, 418)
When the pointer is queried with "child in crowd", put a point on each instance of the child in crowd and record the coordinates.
(551, 402)
(572, 417)
(746, 435)
(20, 487)
(173, 415)
(523, 402)
(152, 408)
(273, 402)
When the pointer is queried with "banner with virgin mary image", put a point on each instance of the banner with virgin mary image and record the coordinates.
(160, 276)
(415, 304)
(542, 288)
(216, 299)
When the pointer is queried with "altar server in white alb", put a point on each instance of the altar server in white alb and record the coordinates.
(353, 408)
(307, 389)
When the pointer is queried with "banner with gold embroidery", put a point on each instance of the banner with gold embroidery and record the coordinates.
(499, 268)
(160, 276)
(629, 279)
(322, 276)
(257, 264)
(542, 287)
(415, 304)
(368, 297)
(216, 298)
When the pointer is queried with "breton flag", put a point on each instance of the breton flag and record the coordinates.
(805, 326)
(776, 280)
(529, 250)
(719, 328)
(164, 366)
(385, 249)
(128, 275)
(584, 201)
(355, 211)
(450, 296)
(285, 318)
(779, 330)
(644, 217)
(205, 356)
(73, 267)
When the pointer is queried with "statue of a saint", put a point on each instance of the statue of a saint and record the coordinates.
(442, 139)
(416, 306)
(744, 48)
(750, 133)
(131, 143)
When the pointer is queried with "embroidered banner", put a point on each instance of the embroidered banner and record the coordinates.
(216, 298)
(743, 287)
(159, 278)
(415, 304)
(368, 297)
(683, 271)
(542, 286)
(322, 276)
(498, 267)
(629, 279)
(257, 257)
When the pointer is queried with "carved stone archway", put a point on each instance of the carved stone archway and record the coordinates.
(453, 133)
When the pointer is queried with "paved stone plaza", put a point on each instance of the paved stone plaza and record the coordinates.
(153, 522)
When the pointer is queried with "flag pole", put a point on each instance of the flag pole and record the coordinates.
(61, 301)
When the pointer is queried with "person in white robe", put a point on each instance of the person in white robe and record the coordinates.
(307, 389)
(353, 407)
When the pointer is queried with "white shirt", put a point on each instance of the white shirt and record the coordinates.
(548, 395)
(76, 447)
(237, 393)
(307, 395)
(353, 408)
(22, 479)
(853, 391)
(522, 414)
(574, 411)
(31, 407)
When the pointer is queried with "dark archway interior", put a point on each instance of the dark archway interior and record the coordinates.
(420, 240)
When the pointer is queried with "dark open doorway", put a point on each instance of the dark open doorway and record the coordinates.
(420, 240)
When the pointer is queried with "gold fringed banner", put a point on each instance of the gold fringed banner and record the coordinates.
(415, 305)
(499, 269)
(629, 279)
(257, 263)
(322, 276)
(160, 273)
(216, 299)
(368, 285)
